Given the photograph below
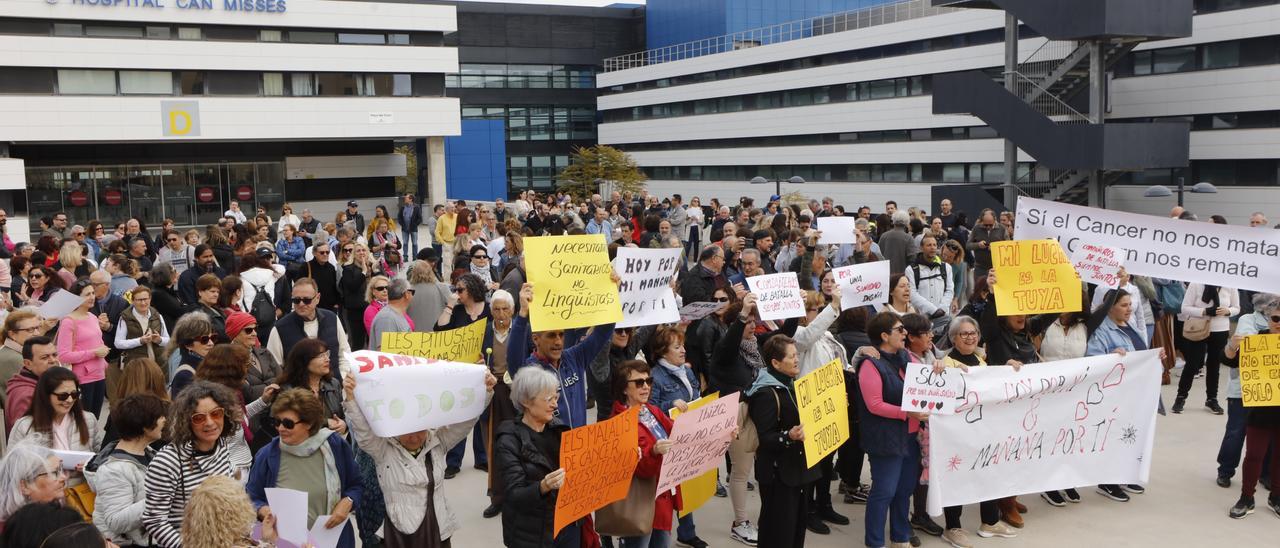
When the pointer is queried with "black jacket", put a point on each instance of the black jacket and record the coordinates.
(779, 459)
(414, 220)
(165, 300)
(699, 284)
(1002, 344)
(352, 285)
(528, 516)
(728, 372)
(225, 256)
(701, 343)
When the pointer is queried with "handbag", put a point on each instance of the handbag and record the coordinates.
(1195, 329)
(632, 516)
(81, 498)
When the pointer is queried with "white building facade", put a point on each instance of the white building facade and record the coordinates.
(157, 109)
(850, 111)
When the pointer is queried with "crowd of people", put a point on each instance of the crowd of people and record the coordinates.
(202, 367)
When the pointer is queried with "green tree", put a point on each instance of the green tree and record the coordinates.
(599, 162)
(408, 183)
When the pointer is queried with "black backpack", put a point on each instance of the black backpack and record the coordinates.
(263, 311)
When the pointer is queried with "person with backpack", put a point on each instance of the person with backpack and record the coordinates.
(932, 290)
(261, 283)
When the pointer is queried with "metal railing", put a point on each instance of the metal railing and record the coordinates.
(1043, 101)
(779, 33)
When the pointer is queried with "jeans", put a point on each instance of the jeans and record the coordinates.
(1232, 438)
(91, 396)
(655, 539)
(1207, 353)
(893, 479)
(685, 528)
(453, 459)
(410, 237)
(439, 255)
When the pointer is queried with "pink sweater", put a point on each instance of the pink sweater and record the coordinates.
(873, 396)
(77, 340)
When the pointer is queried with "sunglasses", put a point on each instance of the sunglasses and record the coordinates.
(1275, 319)
(322, 252)
(203, 339)
(380, 288)
(348, 249)
(302, 300)
(64, 396)
(640, 383)
(899, 329)
(35, 276)
(626, 332)
(482, 257)
(200, 418)
(722, 299)
(287, 423)
(173, 239)
(249, 329)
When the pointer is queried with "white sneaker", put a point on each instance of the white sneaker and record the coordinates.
(997, 530)
(957, 537)
(745, 533)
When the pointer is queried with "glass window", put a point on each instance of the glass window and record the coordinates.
(233, 83)
(882, 89)
(24, 27)
(401, 85)
(142, 186)
(146, 82)
(312, 37)
(159, 33)
(1142, 63)
(68, 29)
(273, 84)
(191, 83)
(99, 31)
(189, 33)
(26, 80)
(207, 181)
(179, 194)
(399, 39)
(361, 38)
(302, 84)
(1174, 60)
(953, 173)
(86, 82)
(269, 35)
(235, 34)
(332, 84)
(1223, 55)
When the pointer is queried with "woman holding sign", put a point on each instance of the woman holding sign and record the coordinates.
(818, 348)
(674, 386)
(1110, 332)
(1210, 307)
(1262, 428)
(632, 386)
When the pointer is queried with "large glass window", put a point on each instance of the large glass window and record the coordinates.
(312, 37)
(1174, 60)
(233, 83)
(144, 191)
(207, 181)
(146, 82)
(86, 82)
(272, 84)
(191, 83)
(1222, 55)
(359, 38)
(334, 84)
(101, 31)
(26, 80)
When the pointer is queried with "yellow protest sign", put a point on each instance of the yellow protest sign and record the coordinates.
(1260, 370)
(697, 491)
(1034, 277)
(456, 345)
(824, 411)
(572, 282)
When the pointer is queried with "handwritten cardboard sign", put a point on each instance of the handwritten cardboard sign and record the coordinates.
(598, 461)
(700, 310)
(924, 391)
(863, 284)
(403, 394)
(1260, 370)
(572, 285)
(699, 438)
(824, 411)
(838, 230)
(1049, 426)
(456, 345)
(1034, 277)
(1098, 264)
(778, 296)
(646, 294)
(697, 491)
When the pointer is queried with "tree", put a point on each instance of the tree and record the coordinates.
(599, 162)
(408, 184)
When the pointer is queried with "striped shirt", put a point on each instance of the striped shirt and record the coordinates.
(173, 475)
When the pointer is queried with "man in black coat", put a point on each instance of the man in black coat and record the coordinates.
(409, 217)
(205, 264)
(700, 283)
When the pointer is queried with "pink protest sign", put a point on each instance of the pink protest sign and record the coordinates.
(700, 438)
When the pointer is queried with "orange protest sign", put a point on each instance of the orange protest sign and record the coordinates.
(598, 460)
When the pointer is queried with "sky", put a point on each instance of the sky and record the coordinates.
(568, 2)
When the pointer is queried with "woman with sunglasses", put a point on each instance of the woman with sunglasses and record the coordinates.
(632, 386)
(818, 347)
(42, 282)
(307, 366)
(80, 345)
(58, 417)
(202, 420)
(354, 284)
(118, 473)
(29, 473)
(191, 341)
(674, 385)
(307, 457)
(482, 266)
(467, 304)
(376, 295)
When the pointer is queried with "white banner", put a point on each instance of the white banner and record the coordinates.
(647, 298)
(1238, 257)
(1054, 425)
(778, 295)
(838, 230)
(402, 394)
(700, 310)
(863, 284)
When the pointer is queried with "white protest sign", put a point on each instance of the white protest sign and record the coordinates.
(402, 394)
(1098, 264)
(1229, 256)
(645, 292)
(290, 509)
(323, 537)
(495, 247)
(837, 230)
(699, 438)
(700, 310)
(1053, 425)
(62, 302)
(863, 284)
(927, 392)
(778, 296)
(72, 459)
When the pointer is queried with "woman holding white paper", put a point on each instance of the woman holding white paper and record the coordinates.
(56, 414)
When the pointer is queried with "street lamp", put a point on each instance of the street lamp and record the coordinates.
(795, 180)
(1161, 191)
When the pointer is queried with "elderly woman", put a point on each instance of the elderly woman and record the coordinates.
(785, 479)
(80, 345)
(118, 473)
(430, 295)
(888, 432)
(29, 473)
(1262, 427)
(920, 345)
(202, 420)
(632, 387)
(307, 366)
(528, 451)
(57, 416)
(411, 473)
(376, 295)
(208, 291)
(307, 457)
(221, 516)
(191, 342)
(467, 306)
(141, 332)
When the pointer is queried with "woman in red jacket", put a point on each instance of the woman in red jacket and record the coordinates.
(632, 383)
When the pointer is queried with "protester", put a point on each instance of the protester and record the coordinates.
(1211, 308)
(1262, 431)
(58, 419)
(394, 316)
(430, 296)
(191, 342)
(1110, 332)
(80, 344)
(220, 515)
(117, 474)
(357, 274)
(528, 451)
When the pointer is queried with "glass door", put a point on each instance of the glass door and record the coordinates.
(143, 189)
(207, 180)
(179, 196)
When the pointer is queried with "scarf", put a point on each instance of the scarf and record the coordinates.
(786, 381)
(750, 353)
(1210, 295)
(678, 372)
(485, 274)
(320, 441)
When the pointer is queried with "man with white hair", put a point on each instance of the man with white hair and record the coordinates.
(1258, 219)
(234, 213)
(896, 244)
(1176, 212)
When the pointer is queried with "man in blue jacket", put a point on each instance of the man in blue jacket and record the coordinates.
(549, 352)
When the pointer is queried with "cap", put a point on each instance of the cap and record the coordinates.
(775, 198)
(353, 203)
(264, 252)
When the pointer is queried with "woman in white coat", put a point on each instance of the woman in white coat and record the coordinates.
(1217, 305)
(118, 474)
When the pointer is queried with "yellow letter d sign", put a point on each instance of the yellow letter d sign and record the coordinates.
(180, 118)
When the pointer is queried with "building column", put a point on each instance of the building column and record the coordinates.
(436, 190)
(1011, 84)
(1097, 114)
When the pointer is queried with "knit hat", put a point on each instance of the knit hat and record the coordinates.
(237, 321)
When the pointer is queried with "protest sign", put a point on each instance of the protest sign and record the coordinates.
(1222, 255)
(924, 391)
(699, 310)
(402, 394)
(1098, 264)
(778, 296)
(598, 460)
(837, 230)
(572, 285)
(323, 537)
(697, 491)
(646, 294)
(1049, 426)
(61, 303)
(863, 284)
(699, 438)
(1260, 370)
(1034, 277)
(290, 508)
(456, 345)
(824, 411)
(496, 246)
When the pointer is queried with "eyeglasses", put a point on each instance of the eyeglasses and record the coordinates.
(640, 383)
(899, 329)
(322, 252)
(287, 423)
(35, 276)
(302, 300)
(380, 288)
(55, 474)
(203, 339)
(1275, 319)
(249, 329)
(456, 289)
(200, 418)
(481, 257)
(348, 249)
(35, 328)
(64, 396)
